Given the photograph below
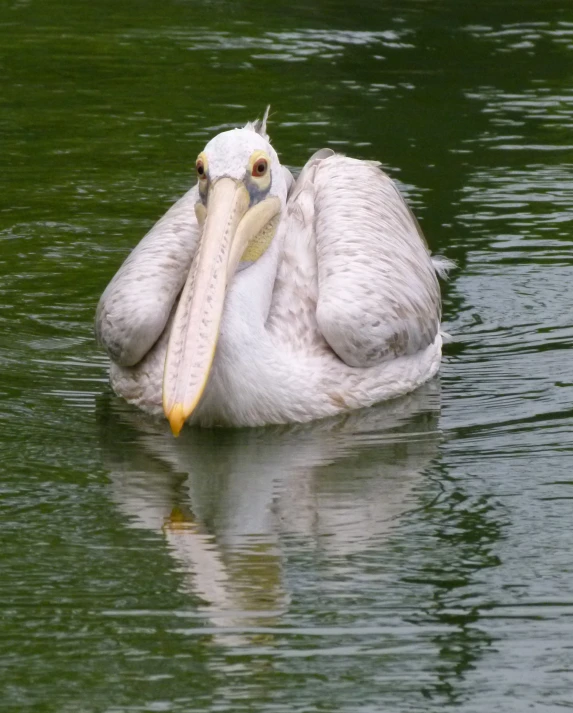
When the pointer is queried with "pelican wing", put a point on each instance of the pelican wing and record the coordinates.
(378, 296)
(134, 309)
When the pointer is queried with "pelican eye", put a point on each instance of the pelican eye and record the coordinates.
(201, 169)
(260, 168)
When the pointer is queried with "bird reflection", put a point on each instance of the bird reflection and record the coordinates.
(230, 503)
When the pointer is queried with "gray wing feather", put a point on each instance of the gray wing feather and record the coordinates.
(134, 309)
(378, 295)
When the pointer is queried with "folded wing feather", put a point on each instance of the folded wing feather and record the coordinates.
(134, 309)
(378, 295)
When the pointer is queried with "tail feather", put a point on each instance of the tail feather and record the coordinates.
(442, 265)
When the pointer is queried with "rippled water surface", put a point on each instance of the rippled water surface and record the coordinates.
(412, 557)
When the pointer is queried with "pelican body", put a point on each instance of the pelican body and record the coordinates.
(259, 299)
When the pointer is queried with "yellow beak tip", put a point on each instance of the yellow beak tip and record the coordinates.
(176, 418)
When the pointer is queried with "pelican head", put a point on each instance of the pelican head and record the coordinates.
(242, 191)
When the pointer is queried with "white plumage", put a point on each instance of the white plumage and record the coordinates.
(339, 311)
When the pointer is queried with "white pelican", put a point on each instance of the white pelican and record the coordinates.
(259, 299)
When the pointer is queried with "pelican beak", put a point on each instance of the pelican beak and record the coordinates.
(230, 225)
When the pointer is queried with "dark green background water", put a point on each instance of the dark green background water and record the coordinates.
(415, 557)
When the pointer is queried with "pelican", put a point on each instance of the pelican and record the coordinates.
(260, 299)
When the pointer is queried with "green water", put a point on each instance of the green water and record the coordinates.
(414, 557)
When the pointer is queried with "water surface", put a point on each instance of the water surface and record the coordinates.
(408, 558)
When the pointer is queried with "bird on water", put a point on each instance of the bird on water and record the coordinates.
(260, 299)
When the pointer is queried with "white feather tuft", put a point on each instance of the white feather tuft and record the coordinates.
(259, 126)
(442, 266)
